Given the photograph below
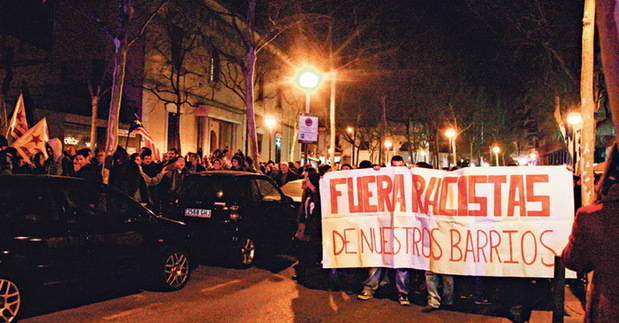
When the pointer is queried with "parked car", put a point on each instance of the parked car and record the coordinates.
(294, 189)
(60, 235)
(236, 215)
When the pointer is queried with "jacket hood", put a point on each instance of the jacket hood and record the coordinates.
(56, 147)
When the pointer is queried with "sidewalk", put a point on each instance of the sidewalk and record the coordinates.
(574, 311)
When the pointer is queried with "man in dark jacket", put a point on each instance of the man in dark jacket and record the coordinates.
(84, 169)
(285, 175)
(592, 247)
(309, 230)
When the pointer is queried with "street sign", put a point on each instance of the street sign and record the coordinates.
(308, 129)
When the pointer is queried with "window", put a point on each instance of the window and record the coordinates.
(27, 208)
(268, 191)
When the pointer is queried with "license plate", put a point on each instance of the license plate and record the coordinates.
(198, 213)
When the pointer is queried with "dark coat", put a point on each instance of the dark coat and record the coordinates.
(310, 214)
(90, 173)
(282, 178)
(127, 178)
(593, 246)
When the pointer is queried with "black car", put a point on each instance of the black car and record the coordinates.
(236, 215)
(62, 235)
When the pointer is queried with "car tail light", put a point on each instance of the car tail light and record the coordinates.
(234, 212)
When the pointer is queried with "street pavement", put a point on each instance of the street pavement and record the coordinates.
(219, 294)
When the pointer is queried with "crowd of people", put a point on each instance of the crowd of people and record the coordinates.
(155, 182)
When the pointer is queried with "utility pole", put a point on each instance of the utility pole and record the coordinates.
(586, 103)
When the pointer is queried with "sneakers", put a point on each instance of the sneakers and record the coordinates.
(403, 299)
(429, 308)
(366, 294)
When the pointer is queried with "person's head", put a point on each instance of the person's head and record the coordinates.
(423, 165)
(146, 150)
(120, 155)
(217, 164)
(100, 157)
(136, 159)
(77, 163)
(146, 159)
(345, 167)
(365, 164)
(82, 157)
(323, 169)
(309, 171)
(312, 182)
(237, 162)
(71, 151)
(49, 150)
(297, 165)
(283, 168)
(249, 162)
(39, 159)
(397, 160)
(180, 163)
(172, 153)
(192, 158)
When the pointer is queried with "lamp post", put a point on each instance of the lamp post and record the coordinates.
(451, 135)
(270, 122)
(496, 150)
(574, 119)
(351, 132)
(308, 80)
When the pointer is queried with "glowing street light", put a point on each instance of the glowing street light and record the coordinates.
(270, 122)
(451, 135)
(574, 118)
(496, 150)
(388, 144)
(350, 129)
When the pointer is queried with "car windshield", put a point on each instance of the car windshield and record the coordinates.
(209, 189)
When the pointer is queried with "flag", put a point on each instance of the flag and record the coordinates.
(18, 125)
(33, 141)
(148, 142)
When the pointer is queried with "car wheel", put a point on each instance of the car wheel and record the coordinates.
(10, 300)
(246, 254)
(173, 270)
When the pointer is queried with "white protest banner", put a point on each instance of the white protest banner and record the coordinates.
(485, 221)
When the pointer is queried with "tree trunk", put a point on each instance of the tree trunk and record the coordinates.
(249, 103)
(608, 20)
(118, 81)
(94, 107)
(295, 134)
(587, 104)
(383, 133)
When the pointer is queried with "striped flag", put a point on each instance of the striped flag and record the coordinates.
(18, 124)
(33, 141)
(147, 141)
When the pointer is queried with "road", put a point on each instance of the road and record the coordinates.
(218, 294)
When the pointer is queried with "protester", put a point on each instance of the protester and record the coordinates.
(309, 229)
(127, 178)
(55, 158)
(592, 246)
(38, 163)
(84, 169)
(345, 167)
(193, 163)
(378, 276)
(284, 175)
(238, 163)
(217, 164)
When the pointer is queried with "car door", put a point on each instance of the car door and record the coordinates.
(278, 212)
(110, 223)
(38, 239)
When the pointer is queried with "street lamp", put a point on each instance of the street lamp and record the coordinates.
(496, 150)
(270, 122)
(351, 132)
(574, 119)
(308, 80)
(451, 135)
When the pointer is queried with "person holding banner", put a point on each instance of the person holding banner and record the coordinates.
(378, 276)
